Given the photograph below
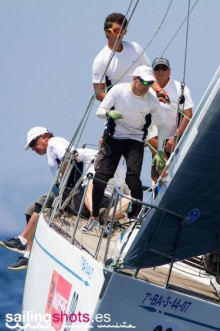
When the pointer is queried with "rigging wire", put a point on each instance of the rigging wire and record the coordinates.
(187, 35)
(116, 41)
(81, 125)
(181, 100)
(93, 98)
(154, 36)
(159, 27)
(144, 49)
(83, 122)
(179, 28)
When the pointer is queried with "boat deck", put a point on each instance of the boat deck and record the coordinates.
(187, 276)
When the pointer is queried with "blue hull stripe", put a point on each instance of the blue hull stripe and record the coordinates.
(61, 264)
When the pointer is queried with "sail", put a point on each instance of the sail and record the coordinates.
(191, 190)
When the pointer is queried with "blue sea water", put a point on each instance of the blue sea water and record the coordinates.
(11, 286)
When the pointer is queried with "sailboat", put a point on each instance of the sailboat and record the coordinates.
(147, 273)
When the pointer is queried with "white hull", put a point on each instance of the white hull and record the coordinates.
(63, 278)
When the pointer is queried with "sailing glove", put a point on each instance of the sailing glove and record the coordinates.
(114, 114)
(159, 161)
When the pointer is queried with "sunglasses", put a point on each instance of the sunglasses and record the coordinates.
(34, 141)
(163, 68)
(116, 31)
(144, 82)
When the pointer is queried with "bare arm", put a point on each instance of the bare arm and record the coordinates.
(99, 90)
(160, 93)
(171, 144)
(184, 122)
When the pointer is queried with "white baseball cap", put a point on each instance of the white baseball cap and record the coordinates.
(144, 72)
(34, 133)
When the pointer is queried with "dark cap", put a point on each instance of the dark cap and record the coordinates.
(160, 60)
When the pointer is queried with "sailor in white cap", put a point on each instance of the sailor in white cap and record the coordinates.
(124, 135)
(40, 140)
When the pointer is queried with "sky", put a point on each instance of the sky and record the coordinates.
(47, 50)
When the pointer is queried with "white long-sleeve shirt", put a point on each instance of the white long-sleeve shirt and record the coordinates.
(134, 110)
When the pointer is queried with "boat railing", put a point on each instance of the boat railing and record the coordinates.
(103, 244)
(172, 252)
(60, 185)
(62, 198)
(89, 177)
(111, 250)
(146, 207)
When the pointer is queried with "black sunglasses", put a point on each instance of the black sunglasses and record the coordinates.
(144, 82)
(163, 68)
(34, 141)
